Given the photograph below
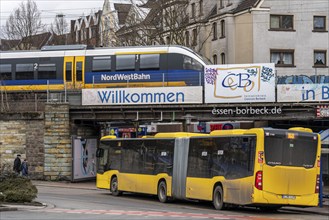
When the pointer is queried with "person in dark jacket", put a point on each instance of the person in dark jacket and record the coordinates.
(17, 164)
(25, 168)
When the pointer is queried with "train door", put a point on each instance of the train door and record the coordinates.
(74, 71)
(68, 72)
(79, 66)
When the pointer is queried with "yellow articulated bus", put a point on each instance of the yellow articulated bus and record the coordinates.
(261, 167)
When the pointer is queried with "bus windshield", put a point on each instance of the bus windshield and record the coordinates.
(289, 148)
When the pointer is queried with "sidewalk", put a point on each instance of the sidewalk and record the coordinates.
(91, 185)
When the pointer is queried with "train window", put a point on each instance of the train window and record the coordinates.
(79, 71)
(125, 62)
(68, 72)
(191, 64)
(25, 71)
(150, 62)
(47, 71)
(5, 72)
(102, 64)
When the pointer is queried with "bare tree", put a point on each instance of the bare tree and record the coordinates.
(167, 22)
(23, 23)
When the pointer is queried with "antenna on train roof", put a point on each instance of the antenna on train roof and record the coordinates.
(64, 47)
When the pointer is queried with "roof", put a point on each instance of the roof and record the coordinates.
(123, 10)
(8, 44)
(244, 5)
(37, 40)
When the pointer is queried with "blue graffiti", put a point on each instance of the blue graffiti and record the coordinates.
(303, 79)
(252, 72)
(267, 74)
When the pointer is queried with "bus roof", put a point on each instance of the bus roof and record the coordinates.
(178, 134)
(108, 137)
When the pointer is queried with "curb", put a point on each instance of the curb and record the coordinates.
(6, 208)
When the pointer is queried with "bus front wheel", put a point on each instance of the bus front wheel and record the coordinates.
(218, 200)
(114, 187)
(162, 192)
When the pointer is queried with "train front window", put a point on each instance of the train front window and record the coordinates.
(125, 62)
(5, 72)
(47, 71)
(24, 71)
(191, 64)
(150, 62)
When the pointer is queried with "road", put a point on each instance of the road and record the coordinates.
(85, 204)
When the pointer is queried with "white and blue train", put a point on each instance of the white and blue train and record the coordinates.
(77, 67)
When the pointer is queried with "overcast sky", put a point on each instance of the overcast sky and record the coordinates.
(72, 9)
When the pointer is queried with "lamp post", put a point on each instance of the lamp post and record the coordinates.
(188, 119)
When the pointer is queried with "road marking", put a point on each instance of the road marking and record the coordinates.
(152, 214)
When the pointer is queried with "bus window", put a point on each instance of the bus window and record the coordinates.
(47, 71)
(299, 151)
(5, 72)
(125, 62)
(200, 157)
(103, 162)
(24, 71)
(101, 64)
(149, 62)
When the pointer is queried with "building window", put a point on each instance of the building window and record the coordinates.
(319, 23)
(281, 22)
(168, 40)
(221, 4)
(195, 37)
(214, 31)
(320, 58)
(222, 57)
(201, 7)
(222, 29)
(193, 10)
(187, 36)
(214, 59)
(282, 57)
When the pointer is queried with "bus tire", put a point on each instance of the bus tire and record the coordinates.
(218, 200)
(114, 187)
(162, 192)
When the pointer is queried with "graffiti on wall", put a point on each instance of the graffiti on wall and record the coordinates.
(303, 79)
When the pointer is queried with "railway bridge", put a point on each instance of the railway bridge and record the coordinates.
(44, 127)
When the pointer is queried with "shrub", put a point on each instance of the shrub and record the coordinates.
(17, 189)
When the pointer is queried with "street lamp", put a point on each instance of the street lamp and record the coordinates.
(188, 119)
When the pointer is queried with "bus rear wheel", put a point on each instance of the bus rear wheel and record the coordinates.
(114, 187)
(162, 192)
(218, 200)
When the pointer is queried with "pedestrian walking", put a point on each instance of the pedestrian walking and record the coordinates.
(17, 164)
(25, 168)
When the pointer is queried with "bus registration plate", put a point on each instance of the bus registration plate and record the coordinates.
(288, 197)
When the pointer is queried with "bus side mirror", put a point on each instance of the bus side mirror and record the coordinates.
(99, 152)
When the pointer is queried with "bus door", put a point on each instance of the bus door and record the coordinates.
(74, 72)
